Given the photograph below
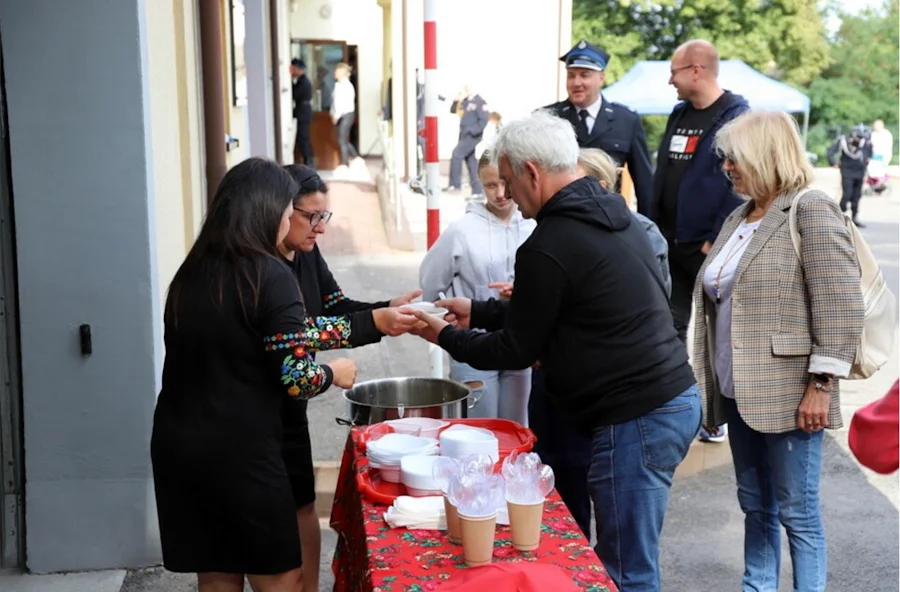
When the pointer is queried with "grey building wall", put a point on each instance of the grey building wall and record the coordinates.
(81, 170)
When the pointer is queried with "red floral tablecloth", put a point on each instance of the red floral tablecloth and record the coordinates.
(371, 557)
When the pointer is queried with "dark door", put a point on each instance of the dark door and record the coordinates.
(12, 492)
(353, 61)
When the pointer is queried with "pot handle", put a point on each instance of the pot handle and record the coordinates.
(343, 422)
(476, 391)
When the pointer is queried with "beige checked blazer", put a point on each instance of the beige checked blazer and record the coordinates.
(782, 313)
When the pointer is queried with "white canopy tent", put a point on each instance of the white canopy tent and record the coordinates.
(646, 89)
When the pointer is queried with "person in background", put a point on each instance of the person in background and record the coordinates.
(302, 94)
(560, 443)
(882, 143)
(473, 117)
(490, 132)
(343, 112)
(852, 154)
(691, 195)
(475, 252)
(875, 433)
(589, 304)
(773, 334)
(600, 123)
(237, 347)
(345, 323)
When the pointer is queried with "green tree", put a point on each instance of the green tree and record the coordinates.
(782, 38)
(861, 83)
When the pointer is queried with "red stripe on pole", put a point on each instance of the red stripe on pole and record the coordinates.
(434, 226)
(430, 45)
(431, 143)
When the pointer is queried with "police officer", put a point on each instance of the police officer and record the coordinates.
(614, 128)
(473, 118)
(302, 94)
(852, 154)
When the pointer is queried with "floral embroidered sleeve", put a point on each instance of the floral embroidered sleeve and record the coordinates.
(325, 333)
(282, 327)
(300, 374)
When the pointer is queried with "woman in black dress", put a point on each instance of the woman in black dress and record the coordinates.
(236, 348)
(358, 323)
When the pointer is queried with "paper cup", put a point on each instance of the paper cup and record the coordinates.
(453, 532)
(525, 524)
(478, 538)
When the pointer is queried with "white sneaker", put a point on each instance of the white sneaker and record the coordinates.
(720, 437)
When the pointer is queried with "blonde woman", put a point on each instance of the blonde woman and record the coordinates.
(773, 334)
(599, 164)
(343, 111)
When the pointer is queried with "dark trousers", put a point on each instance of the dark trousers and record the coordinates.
(851, 193)
(465, 151)
(684, 263)
(565, 448)
(302, 143)
(348, 151)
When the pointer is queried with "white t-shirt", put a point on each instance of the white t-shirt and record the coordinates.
(343, 99)
(718, 281)
(883, 146)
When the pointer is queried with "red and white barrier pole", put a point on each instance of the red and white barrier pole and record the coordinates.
(432, 164)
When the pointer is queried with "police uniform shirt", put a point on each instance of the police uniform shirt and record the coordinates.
(592, 112)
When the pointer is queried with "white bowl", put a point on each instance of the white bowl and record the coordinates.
(424, 427)
(416, 471)
(428, 308)
(390, 448)
(459, 443)
(391, 475)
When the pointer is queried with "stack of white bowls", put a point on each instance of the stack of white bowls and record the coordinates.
(460, 441)
(417, 474)
(386, 452)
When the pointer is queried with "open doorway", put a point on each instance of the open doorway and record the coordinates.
(12, 466)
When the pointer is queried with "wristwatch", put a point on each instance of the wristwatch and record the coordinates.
(822, 382)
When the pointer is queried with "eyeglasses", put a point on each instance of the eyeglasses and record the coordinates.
(675, 71)
(315, 217)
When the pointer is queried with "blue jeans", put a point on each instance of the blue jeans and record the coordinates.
(778, 485)
(632, 465)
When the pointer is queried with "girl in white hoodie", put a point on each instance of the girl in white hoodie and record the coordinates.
(477, 250)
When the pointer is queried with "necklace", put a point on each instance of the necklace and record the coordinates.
(734, 250)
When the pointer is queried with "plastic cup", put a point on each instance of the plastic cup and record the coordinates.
(478, 538)
(453, 531)
(525, 524)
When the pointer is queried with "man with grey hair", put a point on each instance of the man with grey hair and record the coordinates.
(590, 304)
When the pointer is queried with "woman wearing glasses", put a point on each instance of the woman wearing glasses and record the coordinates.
(343, 323)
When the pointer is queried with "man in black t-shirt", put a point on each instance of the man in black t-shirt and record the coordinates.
(692, 196)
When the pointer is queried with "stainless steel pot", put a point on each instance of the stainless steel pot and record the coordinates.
(375, 401)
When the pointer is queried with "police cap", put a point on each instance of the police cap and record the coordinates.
(585, 55)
